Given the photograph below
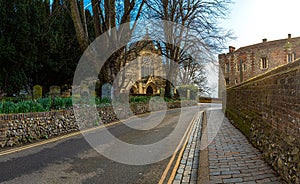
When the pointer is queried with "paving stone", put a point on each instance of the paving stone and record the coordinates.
(178, 177)
(185, 179)
(180, 170)
(248, 182)
(215, 173)
(266, 180)
(232, 180)
(221, 176)
(235, 158)
(232, 159)
(188, 169)
(176, 182)
(186, 173)
(230, 172)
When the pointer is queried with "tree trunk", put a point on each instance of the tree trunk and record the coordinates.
(96, 18)
(84, 19)
(80, 34)
(168, 88)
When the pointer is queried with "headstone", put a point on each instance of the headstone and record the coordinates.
(106, 91)
(37, 91)
(24, 95)
(188, 94)
(93, 94)
(66, 94)
(172, 91)
(54, 91)
(23, 92)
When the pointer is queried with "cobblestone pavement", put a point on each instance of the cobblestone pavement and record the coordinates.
(232, 159)
(188, 169)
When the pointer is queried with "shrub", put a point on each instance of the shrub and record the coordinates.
(61, 103)
(102, 100)
(35, 106)
(46, 103)
(23, 107)
(40, 105)
(139, 98)
(68, 102)
(8, 107)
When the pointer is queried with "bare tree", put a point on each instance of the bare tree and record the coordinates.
(200, 17)
(80, 33)
(109, 14)
(84, 18)
(114, 14)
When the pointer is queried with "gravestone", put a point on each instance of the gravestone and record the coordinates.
(37, 91)
(54, 91)
(106, 91)
(93, 94)
(188, 94)
(66, 93)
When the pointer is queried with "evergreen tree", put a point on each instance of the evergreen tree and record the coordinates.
(37, 45)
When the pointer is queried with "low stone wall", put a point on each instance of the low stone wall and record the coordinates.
(267, 110)
(16, 129)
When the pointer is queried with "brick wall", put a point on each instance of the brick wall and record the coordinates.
(267, 110)
(245, 62)
(16, 129)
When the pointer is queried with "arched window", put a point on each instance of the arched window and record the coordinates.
(147, 67)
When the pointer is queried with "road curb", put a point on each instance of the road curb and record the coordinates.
(203, 168)
(187, 170)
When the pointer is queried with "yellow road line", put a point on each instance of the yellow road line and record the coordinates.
(180, 156)
(188, 131)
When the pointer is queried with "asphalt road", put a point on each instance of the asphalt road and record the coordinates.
(73, 160)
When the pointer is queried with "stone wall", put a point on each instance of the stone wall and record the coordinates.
(16, 129)
(267, 110)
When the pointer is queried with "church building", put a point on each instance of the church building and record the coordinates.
(144, 70)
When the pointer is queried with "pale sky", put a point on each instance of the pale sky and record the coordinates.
(253, 20)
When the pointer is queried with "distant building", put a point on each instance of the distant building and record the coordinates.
(144, 70)
(247, 62)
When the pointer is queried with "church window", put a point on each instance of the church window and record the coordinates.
(147, 68)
